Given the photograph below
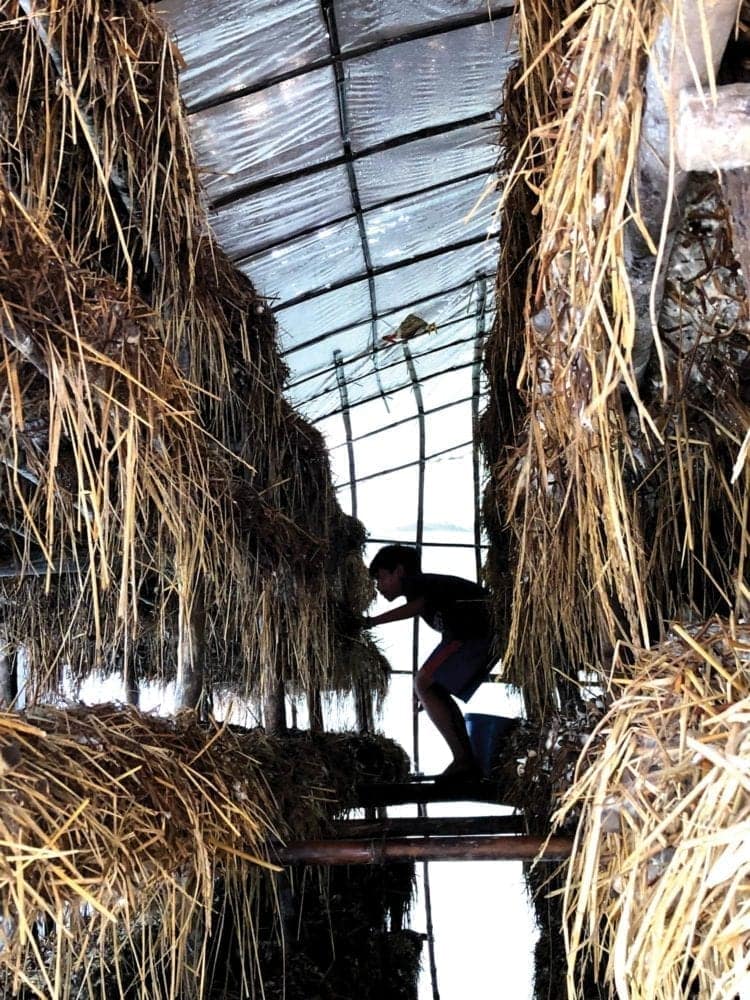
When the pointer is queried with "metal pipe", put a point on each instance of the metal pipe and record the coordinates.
(338, 361)
(476, 390)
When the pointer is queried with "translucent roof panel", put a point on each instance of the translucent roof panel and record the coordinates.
(447, 78)
(332, 310)
(315, 383)
(428, 277)
(227, 50)
(389, 448)
(388, 501)
(354, 339)
(451, 385)
(289, 126)
(449, 496)
(308, 263)
(423, 222)
(267, 217)
(369, 21)
(320, 393)
(425, 162)
(430, 353)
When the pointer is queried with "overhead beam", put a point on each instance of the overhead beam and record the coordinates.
(380, 852)
(422, 826)
(714, 133)
(735, 185)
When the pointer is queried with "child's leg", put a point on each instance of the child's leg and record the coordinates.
(447, 718)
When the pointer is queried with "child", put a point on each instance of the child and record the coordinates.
(456, 608)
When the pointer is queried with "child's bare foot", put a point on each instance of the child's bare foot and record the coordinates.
(461, 770)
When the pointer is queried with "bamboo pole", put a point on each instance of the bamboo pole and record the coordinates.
(274, 708)
(379, 852)
(190, 680)
(714, 134)
(411, 826)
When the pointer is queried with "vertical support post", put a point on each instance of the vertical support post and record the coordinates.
(338, 362)
(416, 389)
(8, 674)
(315, 709)
(192, 650)
(476, 379)
(274, 708)
(130, 681)
(363, 701)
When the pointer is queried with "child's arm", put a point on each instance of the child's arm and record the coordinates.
(409, 610)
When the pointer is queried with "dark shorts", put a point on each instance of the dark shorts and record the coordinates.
(459, 665)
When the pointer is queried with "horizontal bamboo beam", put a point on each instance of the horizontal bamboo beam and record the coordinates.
(39, 567)
(416, 826)
(714, 135)
(379, 852)
(417, 792)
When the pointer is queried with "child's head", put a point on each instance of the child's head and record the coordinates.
(389, 567)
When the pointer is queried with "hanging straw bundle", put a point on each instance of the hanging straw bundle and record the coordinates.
(161, 504)
(117, 829)
(113, 829)
(577, 561)
(597, 451)
(658, 893)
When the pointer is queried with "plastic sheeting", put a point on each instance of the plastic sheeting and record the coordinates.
(263, 219)
(423, 163)
(426, 82)
(369, 22)
(314, 262)
(230, 45)
(313, 363)
(422, 222)
(287, 127)
(351, 186)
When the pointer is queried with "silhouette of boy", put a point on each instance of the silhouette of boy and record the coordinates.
(456, 608)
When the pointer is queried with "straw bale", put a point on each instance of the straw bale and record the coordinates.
(115, 827)
(611, 504)
(111, 819)
(152, 467)
(657, 891)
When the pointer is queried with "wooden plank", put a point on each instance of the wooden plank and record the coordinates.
(421, 826)
(379, 852)
(417, 792)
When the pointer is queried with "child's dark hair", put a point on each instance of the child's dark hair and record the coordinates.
(391, 556)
